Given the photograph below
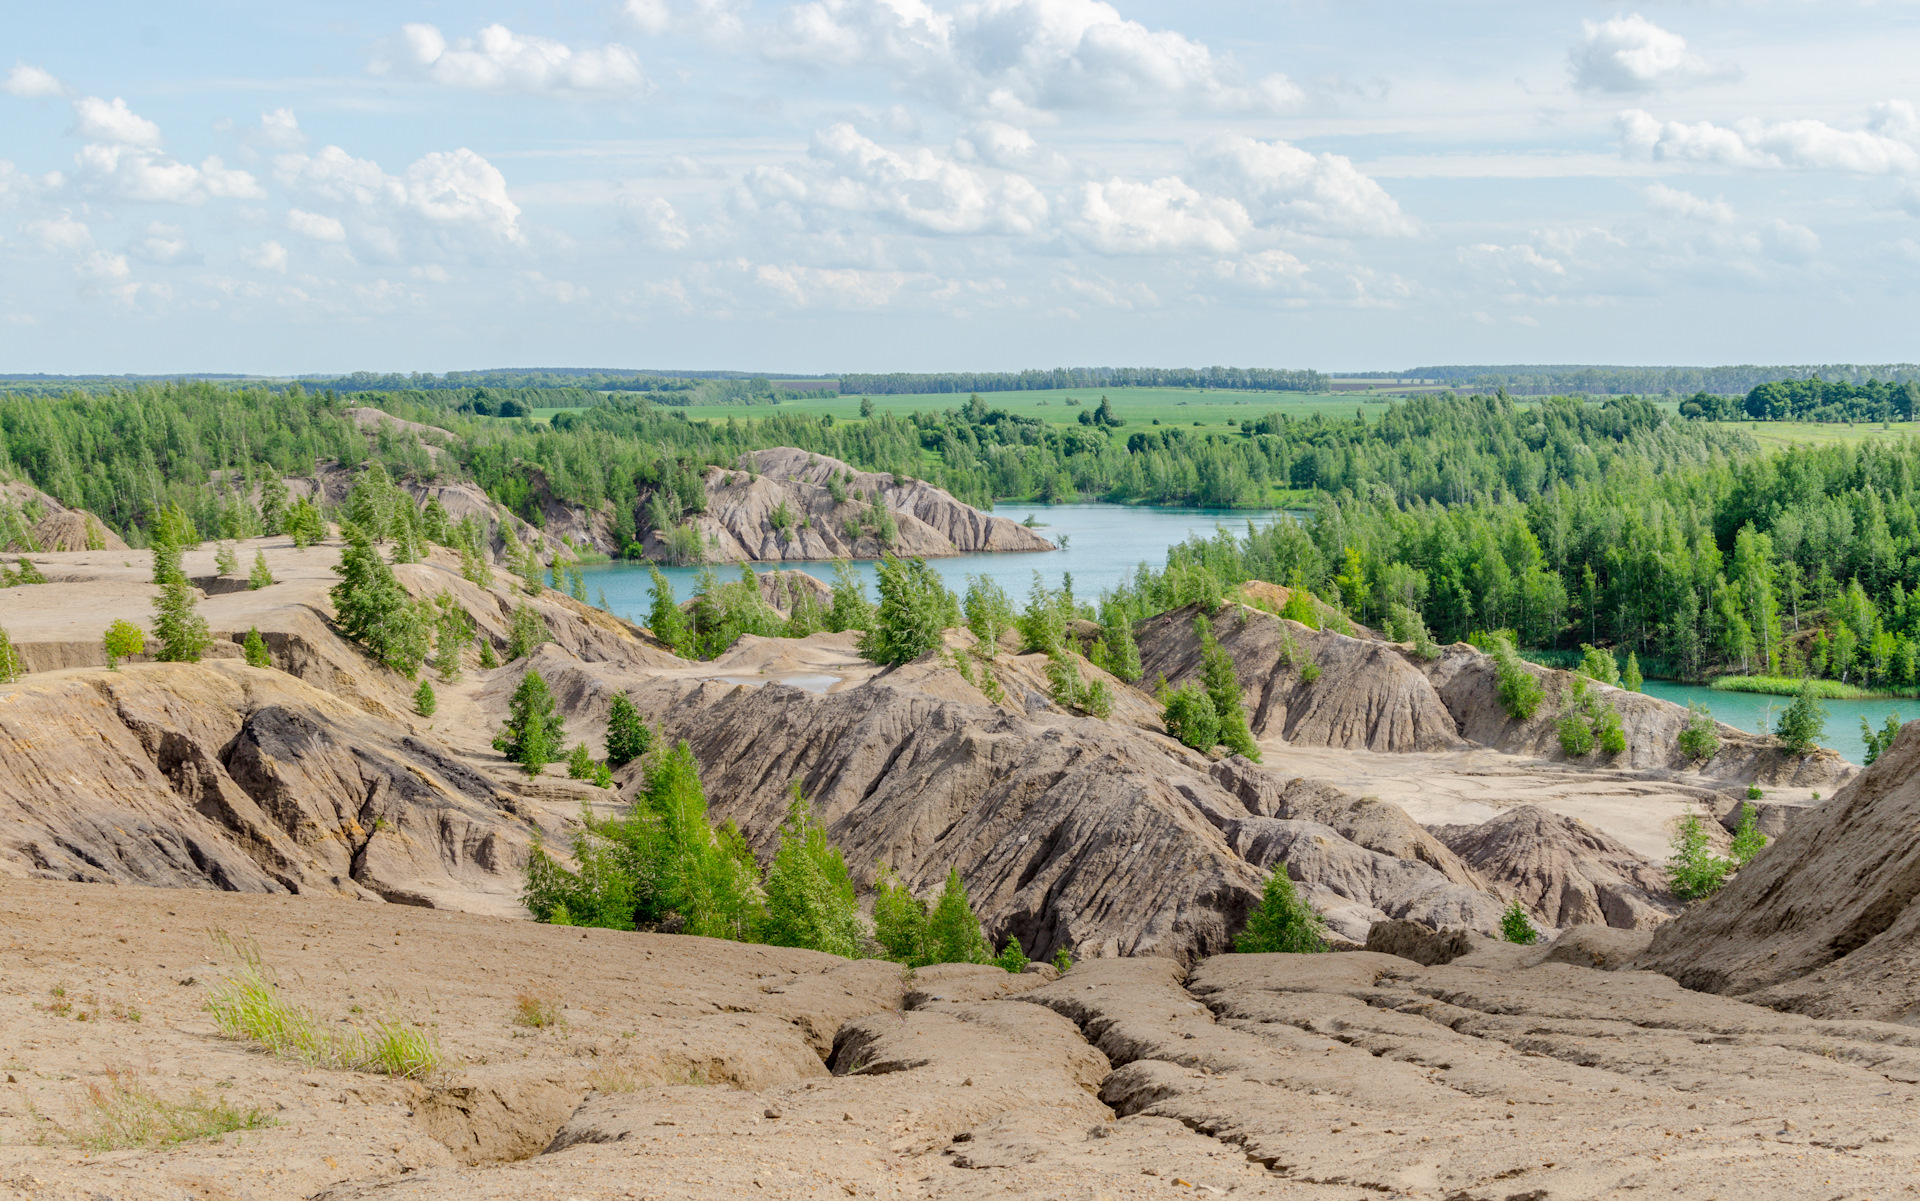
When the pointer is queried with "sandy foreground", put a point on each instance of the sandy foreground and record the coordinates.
(681, 1067)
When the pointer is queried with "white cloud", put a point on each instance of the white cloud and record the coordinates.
(112, 121)
(651, 17)
(1010, 56)
(1282, 185)
(32, 82)
(453, 192)
(267, 256)
(1889, 145)
(1163, 216)
(654, 218)
(318, 226)
(74, 239)
(1000, 144)
(280, 129)
(16, 185)
(1674, 202)
(164, 244)
(1632, 54)
(128, 173)
(500, 60)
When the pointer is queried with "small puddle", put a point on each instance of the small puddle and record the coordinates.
(811, 681)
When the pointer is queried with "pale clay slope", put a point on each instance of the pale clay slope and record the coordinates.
(1318, 1078)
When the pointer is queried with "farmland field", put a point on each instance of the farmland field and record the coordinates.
(1136, 406)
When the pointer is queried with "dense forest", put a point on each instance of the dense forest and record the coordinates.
(1810, 400)
(1258, 379)
(1536, 380)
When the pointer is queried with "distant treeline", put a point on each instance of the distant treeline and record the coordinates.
(1550, 380)
(1810, 400)
(590, 379)
(1257, 379)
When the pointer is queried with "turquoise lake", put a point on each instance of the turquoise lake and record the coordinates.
(1106, 542)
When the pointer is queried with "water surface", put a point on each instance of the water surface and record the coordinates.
(1757, 713)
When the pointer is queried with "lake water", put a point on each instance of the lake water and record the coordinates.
(1104, 545)
(1749, 711)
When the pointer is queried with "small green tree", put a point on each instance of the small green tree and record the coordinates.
(1747, 838)
(177, 625)
(899, 919)
(123, 640)
(1698, 740)
(1631, 679)
(1190, 717)
(1122, 652)
(989, 612)
(1282, 922)
(1600, 665)
(1519, 691)
(1877, 743)
(810, 896)
(255, 649)
(666, 620)
(1694, 871)
(628, 737)
(373, 609)
(913, 612)
(1517, 926)
(953, 932)
(1043, 624)
(488, 660)
(1223, 689)
(260, 575)
(304, 524)
(11, 666)
(452, 634)
(1012, 957)
(580, 763)
(1299, 607)
(850, 609)
(527, 632)
(424, 701)
(1804, 723)
(534, 733)
(225, 561)
(805, 617)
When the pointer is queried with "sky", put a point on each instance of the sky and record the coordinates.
(932, 185)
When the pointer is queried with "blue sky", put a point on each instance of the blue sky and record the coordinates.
(935, 185)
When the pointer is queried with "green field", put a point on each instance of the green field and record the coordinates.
(1774, 435)
(1136, 406)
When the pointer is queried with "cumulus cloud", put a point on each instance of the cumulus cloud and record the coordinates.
(651, 17)
(73, 239)
(1282, 185)
(127, 173)
(280, 129)
(1888, 145)
(654, 218)
(318, 226)
(456, 192)
(113, 122)
(164, 244)
(1675, 202)
(1010, 56)
(1632, 54)
(1158, 217)
(267, 256)
(32, 82)
(500, 60)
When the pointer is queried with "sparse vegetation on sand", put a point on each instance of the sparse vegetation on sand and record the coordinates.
(125, 1114)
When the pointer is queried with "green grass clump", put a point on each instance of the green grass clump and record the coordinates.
(1516, 926)
(124, 1114)
(1826, 690)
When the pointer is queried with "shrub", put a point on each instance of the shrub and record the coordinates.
(1631, 679)
(27, 573)
(451, 636)
(1753, 792)
(527, 632)
(805, 617)
(989, 611)
(1747, 838)
(1223, 689)
(304, 524)
(1062, 960)
(255, 651)
(1804, 722)
(1405, 625)
(666, 621)
(260, 575)
(953, 932)
(1299, 607)
(534, 733)
(488, 660)
(580, 763)
(124, 640)
(628, 737)
(1012, 957)
(1043, 624)
(1698, 741)
(1589, 721)
(810, 897)
(11, 667)
(424, 701)
(1877, 743)
(535, 1011)
(1520, 693)
(1123, 653)
(1190, 717)
(1282, 922)
(850, 609)
(1694, 872)
(1516, 926)
(177, 625)
(1600, 665)
(225, 561)
(915, 607)
(899, 919)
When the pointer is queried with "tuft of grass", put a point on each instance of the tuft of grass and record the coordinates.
(536, 1011)
(124, 1114)
(614, 1077)
(1826, 690)
(246, 1005)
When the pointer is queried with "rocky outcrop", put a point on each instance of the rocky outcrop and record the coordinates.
(738, 524)
(1823, 921)
(1566, 872)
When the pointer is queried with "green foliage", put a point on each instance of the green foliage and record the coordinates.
(989, 611)
(915, 607)
(1517, 926)
(1698, 740)
(1747, 838)
(1062, 961)
(805, 617)
(488, 660)
(1012, 957)
(123, 1114)
(705, 875)
(123, 640)
(1826, 690)
(1300, 607)
(899, 919)
(304, 524)
(1588, 721)
(452, 634)
(171, 526)
(372, 608)
(1694, 871)
(225, 561)
(1282, 921)
(1404, 625)
(1803, 724)
(424, 700)
(1753, 792)
(810, 897)
(1600, 665)
(1520, 692)
(722, 613)
(1631, 680)
(953, 932)
(255, 649)
(1877, 743)
(666, 620)
(1222, 683)
(850, 609)
(26, 573)
(259, 575)
(628, 737)
(1191, 718)
(470, 539)
(1121, 652)
(177, 625)
(11, 665)
(580, 763)
(1043, 624)
(527, 632)
(534, 733)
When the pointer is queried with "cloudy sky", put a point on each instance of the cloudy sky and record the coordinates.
(955, 184)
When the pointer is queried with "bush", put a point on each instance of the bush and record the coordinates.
(580, 763)
(1516, 926)
(1589, 721)
(1698, 741)
(1804, 722)
(1190, 717)
(953, 932)
(1520, 692)
(1062, 961)
(177, 625)
(1694, 872)
(666, 621)
(225, 561)
(723, 613)
(850, 609)
(1404, 625)
(534, 733)
(899, 919)
(1223, 689)
(124, 640)
(451, 636)
(1747, 838)
(1123, 653)
(526, 633)
(989, 611)
(810, 897)
(1300, 607)
(304, 524)
(1282, 922)
(255, 649)
(1877, 744)
(1012, 957)
(915, 607)
(260, 575)
(1043, 624)
(488, 660)
(628, 737)
(124, 1114)
(1600, 665)
(1631, 679)
(1753, 792)
(424, 701)
(11, 667)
